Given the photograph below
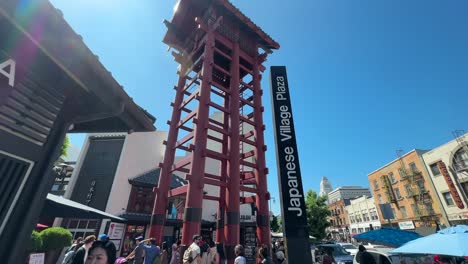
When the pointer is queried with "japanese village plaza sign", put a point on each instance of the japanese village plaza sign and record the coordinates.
(289, 173)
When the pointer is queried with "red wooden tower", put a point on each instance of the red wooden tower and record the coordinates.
(220, 52)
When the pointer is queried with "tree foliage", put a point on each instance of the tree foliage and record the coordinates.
(275, 224)
(64, 148)
(35, 244)
(317, 214)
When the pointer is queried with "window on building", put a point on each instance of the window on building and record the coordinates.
(420, 184)
(376, 185)
(409, 191)
(460, 160)
(404, 214)
(374, 215)
(380, 199)
(413, 167)
(448, 198)
(415, 209)
(402, 173)
(434, 169)
(392, 177)
(464, 187)
(429, 208)
(398, 194)
(82, 227)
(394, 213)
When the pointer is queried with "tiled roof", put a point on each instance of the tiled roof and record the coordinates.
(151, 178)
(242, 17)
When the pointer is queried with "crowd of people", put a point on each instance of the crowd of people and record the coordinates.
(102, 251)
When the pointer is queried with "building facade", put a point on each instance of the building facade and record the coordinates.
(451, 188)
(404, 187)
(116, 173)
(363, 215)
(339, 228)
(347, 192)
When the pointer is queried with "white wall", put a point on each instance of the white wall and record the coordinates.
(141, 152)
(213, 166)
(445, 153)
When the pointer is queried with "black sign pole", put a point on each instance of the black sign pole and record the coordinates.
(292, 199)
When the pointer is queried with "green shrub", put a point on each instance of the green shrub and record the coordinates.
(55, 238)
(35, 244)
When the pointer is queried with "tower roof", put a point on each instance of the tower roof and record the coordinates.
(183, 21)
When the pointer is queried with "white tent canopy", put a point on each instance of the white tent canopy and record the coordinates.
(280, 235)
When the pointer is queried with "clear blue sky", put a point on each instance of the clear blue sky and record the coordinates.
(366, 77)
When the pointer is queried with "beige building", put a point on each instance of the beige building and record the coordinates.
(363, 215)
(404, 185)
(454, 156)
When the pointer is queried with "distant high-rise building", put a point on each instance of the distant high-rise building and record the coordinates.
(347, 192)
(325, 186)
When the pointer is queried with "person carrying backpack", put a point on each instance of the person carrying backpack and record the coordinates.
(68, 259)
(192, 253)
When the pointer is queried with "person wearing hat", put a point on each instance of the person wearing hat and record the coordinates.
(192, 253)
(138, 254)
(103, 237)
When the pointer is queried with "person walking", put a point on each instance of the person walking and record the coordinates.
(327, 257)
(212, 256)
(239, 252)
(364, 257)
(280, 257)
(263, 254)
(152, 252)
(164, 254)
(192, 253)
(69, 256)
(175, 256)
(138, 254)
(82, 253)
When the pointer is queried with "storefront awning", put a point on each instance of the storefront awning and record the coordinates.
(58, 206)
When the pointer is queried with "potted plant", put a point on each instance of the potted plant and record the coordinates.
(54, 239)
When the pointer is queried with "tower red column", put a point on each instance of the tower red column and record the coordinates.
(263, 213)
(194, 201)
(158, 217)
(233, 180)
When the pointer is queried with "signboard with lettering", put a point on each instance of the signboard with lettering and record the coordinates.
(289, 173)
(250, 244)
(406, 225)
(37, 258)
(448, 179)
(116, 230)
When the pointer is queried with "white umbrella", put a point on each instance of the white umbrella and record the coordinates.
(452, 241)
